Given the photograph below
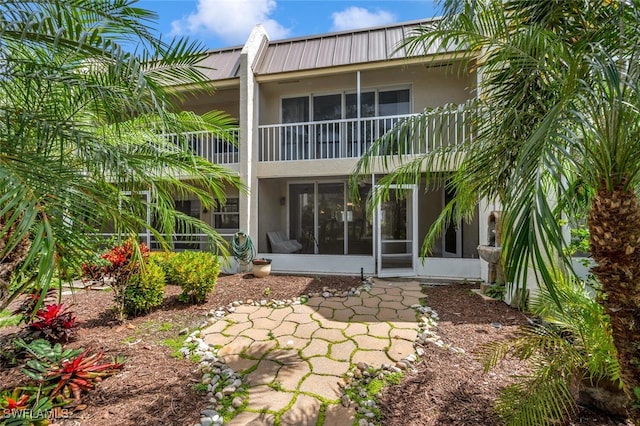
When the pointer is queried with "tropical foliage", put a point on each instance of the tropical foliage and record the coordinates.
(197, 274)
(556, 126)
(570, 345)
(86, 93)
(145, 290)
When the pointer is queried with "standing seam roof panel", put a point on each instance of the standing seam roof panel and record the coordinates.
(222, 65)
(394, 38)
(337, 49)
(310, 53)
(294, 56)
(280, 54)
(360, 47)
(325, 53)
(377, 46)
(342, 52)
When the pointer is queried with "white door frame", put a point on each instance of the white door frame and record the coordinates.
(413, 233)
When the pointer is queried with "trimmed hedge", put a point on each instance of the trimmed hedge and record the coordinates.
(145, 290)
(195, 272)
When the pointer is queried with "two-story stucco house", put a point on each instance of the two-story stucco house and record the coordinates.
(307, 108)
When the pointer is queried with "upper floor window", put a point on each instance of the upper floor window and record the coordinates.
(345, 105)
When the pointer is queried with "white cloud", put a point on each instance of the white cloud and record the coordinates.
(231, 20)
(358, 17)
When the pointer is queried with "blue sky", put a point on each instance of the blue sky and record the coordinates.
(223, 23)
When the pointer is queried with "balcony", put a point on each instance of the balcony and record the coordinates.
(210, 146)
(350, 138)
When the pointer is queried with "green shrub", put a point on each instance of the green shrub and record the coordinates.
(145, 290)
(196, 273)
(163, 259)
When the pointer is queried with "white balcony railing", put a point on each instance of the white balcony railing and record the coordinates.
(350, 138)
(210, 146)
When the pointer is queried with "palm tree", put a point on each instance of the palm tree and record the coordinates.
(556, 128)
(81, 121)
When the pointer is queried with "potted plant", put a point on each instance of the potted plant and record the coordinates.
(261, 267)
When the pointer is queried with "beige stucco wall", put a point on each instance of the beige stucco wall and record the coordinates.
(226, 99)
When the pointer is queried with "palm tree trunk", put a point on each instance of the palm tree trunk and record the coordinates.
(614, 224)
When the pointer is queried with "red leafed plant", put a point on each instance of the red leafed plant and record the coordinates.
(54, 322)
(121, 263)
(14, 401)
(80, 374)
(31, 301)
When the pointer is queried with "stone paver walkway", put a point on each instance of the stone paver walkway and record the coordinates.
(294, 357)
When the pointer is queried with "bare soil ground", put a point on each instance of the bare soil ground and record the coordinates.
(156, 388)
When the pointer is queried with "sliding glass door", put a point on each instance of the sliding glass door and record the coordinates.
(325, 221)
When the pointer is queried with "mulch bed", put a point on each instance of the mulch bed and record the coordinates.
(155, 388)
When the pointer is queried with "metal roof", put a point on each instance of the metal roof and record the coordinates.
(222, 64)
(335, 49)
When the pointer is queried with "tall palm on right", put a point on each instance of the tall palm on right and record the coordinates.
(557, 133)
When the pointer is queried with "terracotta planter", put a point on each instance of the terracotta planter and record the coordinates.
(261, 267)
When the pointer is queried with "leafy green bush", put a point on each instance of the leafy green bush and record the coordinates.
(145, 290)
(163, 260)
(196, 273)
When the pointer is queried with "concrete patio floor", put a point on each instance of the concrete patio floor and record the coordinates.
(295, 356)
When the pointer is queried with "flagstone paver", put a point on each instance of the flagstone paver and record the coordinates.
(285, 328)
(322, 313)
(291, 375)
(288, 341)
(330, 334)
(266, 323)
(264, 374)
(371, 357)
(399, 349)
(338, 325)
(371, 302)
(305, 331)
(356, 328)
(343, 315)
(317, 347)
(322, 365)
(256, 333)
(353, 301)
(237, 317)
(236, 347)
(264, 397)
(337, 415)
(297, 354)
(300, 318)
(253, 419)
(238, 363)
(324, 386)
(216, 327)
(257, 350)
(370, 342)
(403, 333)
(280, 314)
(387, 314)
(364, 318)
(343, 351)
(379, 329)
(365, 310)
(303, 412)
